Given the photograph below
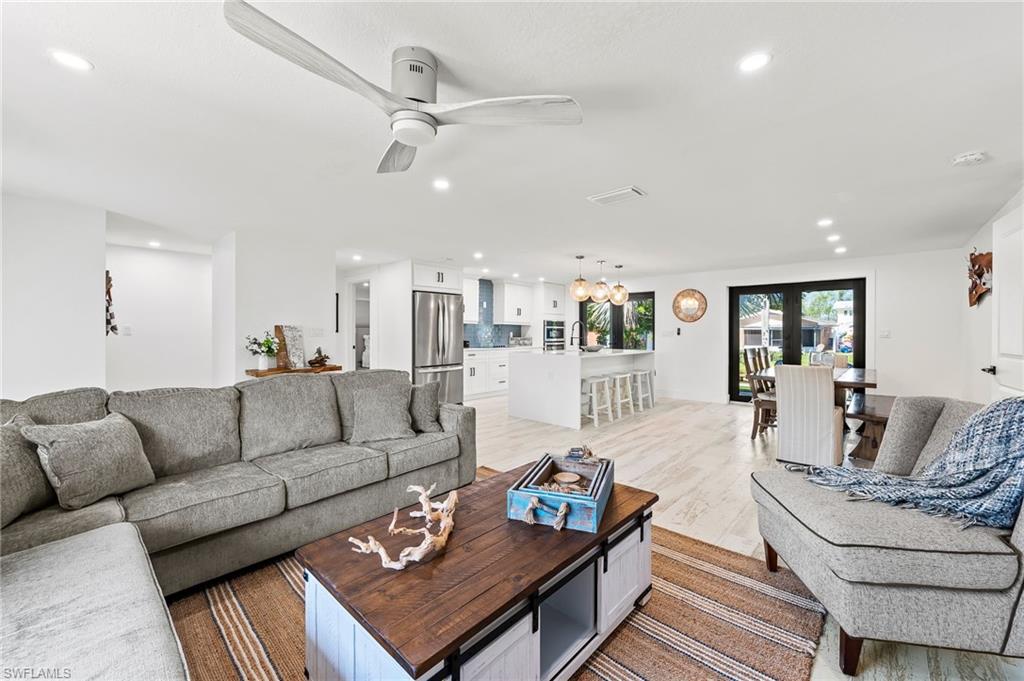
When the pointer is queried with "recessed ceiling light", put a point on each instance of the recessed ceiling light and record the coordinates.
(71, 61)
(755, 62)
(442, 184)
(357, 257)
(832, 237)
(485, 270)
(366, 283)
(826, 222)
(540, 278)
(841, 249)
(154, 244)
(515, 275)
(478, 255)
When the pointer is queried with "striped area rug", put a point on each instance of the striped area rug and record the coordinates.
(712, 614)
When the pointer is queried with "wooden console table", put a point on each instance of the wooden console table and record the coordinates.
(263, 373)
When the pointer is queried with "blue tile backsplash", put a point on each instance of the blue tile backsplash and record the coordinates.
(487, 334)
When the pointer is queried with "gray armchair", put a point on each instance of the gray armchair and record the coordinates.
(895, 574)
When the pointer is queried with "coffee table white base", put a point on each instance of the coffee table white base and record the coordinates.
(546, 638)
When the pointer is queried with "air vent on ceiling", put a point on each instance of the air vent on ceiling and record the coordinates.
(617, 195)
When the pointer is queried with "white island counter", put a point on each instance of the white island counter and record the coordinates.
(547, 386)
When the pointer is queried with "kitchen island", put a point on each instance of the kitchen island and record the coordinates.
(547, 386)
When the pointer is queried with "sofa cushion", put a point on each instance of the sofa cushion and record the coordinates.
(382, 414)
(53, 523)
(90, 605)
(871, 542)
(320, 472)
(23, 484)
(345, 385)
(954, 414)
(283, 413)
(64, 406)
(183, 507)
(424, 408)
(906, 433)
(410, 454)
(183, 429)
(85, 462)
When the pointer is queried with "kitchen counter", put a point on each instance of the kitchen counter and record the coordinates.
(547, 386)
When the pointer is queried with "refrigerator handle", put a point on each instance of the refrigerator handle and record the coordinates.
(438, 333)
(444, 330)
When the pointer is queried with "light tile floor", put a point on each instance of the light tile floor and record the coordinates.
(698, 458)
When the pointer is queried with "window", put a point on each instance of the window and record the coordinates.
(629, 326)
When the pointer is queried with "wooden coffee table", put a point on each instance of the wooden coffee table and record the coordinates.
(505, 600)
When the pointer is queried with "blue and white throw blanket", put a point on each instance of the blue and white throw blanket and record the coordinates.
(979, 478)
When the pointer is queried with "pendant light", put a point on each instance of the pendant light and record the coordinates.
(580, 289)
(600, 291)
(619, 294)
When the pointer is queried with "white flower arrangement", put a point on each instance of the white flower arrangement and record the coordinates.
(268, 345)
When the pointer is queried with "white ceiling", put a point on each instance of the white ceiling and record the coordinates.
(184, 123)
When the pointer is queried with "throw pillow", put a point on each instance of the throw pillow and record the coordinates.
(424, 408)
(381, 413)
(88, 461)
(23, 485)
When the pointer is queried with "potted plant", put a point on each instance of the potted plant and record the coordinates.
(264, 349)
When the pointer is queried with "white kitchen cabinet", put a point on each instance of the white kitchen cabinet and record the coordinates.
(474, 377)
(512, 303)
(550, 300)
(497, 373)
(471, 301)
(427, 277)
(485, 370)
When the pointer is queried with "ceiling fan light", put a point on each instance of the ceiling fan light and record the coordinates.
(600, 292)
(413, 132)
(619, 295)
(580, 290)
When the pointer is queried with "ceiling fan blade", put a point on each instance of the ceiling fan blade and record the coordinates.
(528, 110)
(262, 30)
(397, 158)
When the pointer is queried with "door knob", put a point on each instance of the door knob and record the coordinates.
(990, 369)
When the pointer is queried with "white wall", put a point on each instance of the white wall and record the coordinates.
(272, 279)
(914, 297)
(53, 296)
(977, 320)
(162, 300)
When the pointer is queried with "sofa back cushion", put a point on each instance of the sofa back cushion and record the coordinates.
(910, 425)
(23, 484)
(85, 462)
(348, 383)
(64, 406)
(283, 413)
(954, 414)
(183, 429)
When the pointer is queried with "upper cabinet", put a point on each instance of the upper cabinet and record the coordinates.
(513, 303)
(471, 301)
(426, 277)
(551, 301)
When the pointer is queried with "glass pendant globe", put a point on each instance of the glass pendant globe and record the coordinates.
(580, 290)
(619, 295)
(600, 292)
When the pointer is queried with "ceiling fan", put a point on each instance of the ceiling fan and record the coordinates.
(411, 103)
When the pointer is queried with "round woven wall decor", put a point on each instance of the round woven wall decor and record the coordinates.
(689, 305)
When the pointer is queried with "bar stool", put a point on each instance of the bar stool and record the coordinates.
(596, 388)
(622, 389)
(642, 377)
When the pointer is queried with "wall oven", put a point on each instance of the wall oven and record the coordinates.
(554, 334)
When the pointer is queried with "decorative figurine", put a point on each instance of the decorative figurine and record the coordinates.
(319, 358)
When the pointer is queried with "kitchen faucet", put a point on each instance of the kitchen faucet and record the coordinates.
(572, 334)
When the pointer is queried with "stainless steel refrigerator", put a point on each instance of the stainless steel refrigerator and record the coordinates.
(437, 342)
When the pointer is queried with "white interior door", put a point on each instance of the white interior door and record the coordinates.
(1008, 310)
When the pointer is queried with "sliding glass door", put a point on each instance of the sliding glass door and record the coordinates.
(819, 322)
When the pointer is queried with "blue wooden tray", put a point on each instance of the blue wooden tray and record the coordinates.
(585, 510)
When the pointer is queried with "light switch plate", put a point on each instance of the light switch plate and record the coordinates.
(884, 333)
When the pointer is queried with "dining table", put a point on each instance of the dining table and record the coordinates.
(845, 378)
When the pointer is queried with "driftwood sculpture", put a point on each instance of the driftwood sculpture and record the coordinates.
(440, 512)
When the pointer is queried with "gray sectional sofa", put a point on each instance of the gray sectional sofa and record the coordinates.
(242, 474)
(898, 574)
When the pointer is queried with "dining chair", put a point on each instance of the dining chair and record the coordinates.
(761, 395)
(765, 357)
(840, 360)
(810, 423)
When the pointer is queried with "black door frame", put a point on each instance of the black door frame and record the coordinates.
(616, 320)
(792, 301)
